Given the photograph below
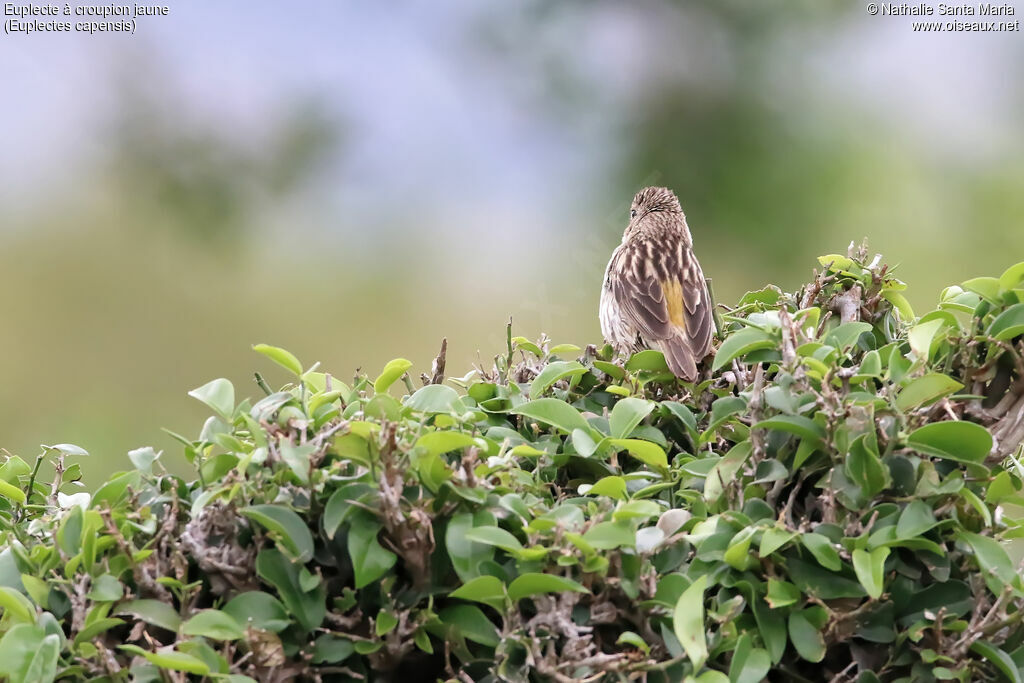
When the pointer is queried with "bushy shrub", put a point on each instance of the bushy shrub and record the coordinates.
(840, 500)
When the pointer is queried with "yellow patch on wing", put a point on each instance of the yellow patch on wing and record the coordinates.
(673, 292)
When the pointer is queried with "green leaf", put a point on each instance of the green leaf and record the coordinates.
(115, 488)
(143, 458)
(725, 470)
(612, 487)
(524, 343)
(955, 597)
(807, 640)
(737, 555)
(610, 535)
(774, 538)
(917, 518)
(16, 606)
(283, 358)
(444, 441)
(258, 609)
(772, 626)
(709, 676)
(740, 343)
(433, 472)
(870, 365)
(390, 374)
(553, 412)
(993, 560)
(496, 536)
(465, 555)
(952, 440)
(900, 303)
(646, 452)
(637, 509)
(218, 394)
(105, 588)
(865, 468)
(370, 559)
(1009, 324)
(803, 427)
(688, 622)
(870, 570)
(921, 335)
(328, 649)
(925, 389)
(67, 449)
(781, 594)
(484, 589)
(1002, 486)
(213, 624)
(627, 414)
(839, 264)
(422, 640)
(168, 658)
(153, 612)
(563, 348)
(997, 657)
(13, 468)
(769, 294)
(822, 583)
(634, 639)
(987, 287)
(749, 664)
(386, 622)
(37, 589)
(327, 397)
(286, 527)
(1012, 277)
(974, 501)
(533, 583)
(43, 665)
(95, 628)
(610, 369)
(583, 443)
(343, 503)
(846, 334)
(28, 654)
(471, 623)
(684, 414)
(955, 298)
(526, 451)
(648, 360)
(12, 492)
(436, 398)
(823, 551)
(308, 607)
(297, 458)
(552, 373)
(721, 410)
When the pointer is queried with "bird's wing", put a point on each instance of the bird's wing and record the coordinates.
(661, 292)
(614, 327)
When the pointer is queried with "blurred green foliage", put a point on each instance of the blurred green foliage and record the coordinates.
(181, 240)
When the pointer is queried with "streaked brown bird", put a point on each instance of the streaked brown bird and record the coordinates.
(654, 294)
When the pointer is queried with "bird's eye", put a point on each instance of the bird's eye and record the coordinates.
(632, 213)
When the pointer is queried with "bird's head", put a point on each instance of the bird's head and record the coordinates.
(652, 207)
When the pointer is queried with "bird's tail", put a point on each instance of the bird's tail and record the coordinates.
(679, 356)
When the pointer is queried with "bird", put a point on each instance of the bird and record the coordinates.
(654, 295)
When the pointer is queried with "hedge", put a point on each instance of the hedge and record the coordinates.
(840, 499)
